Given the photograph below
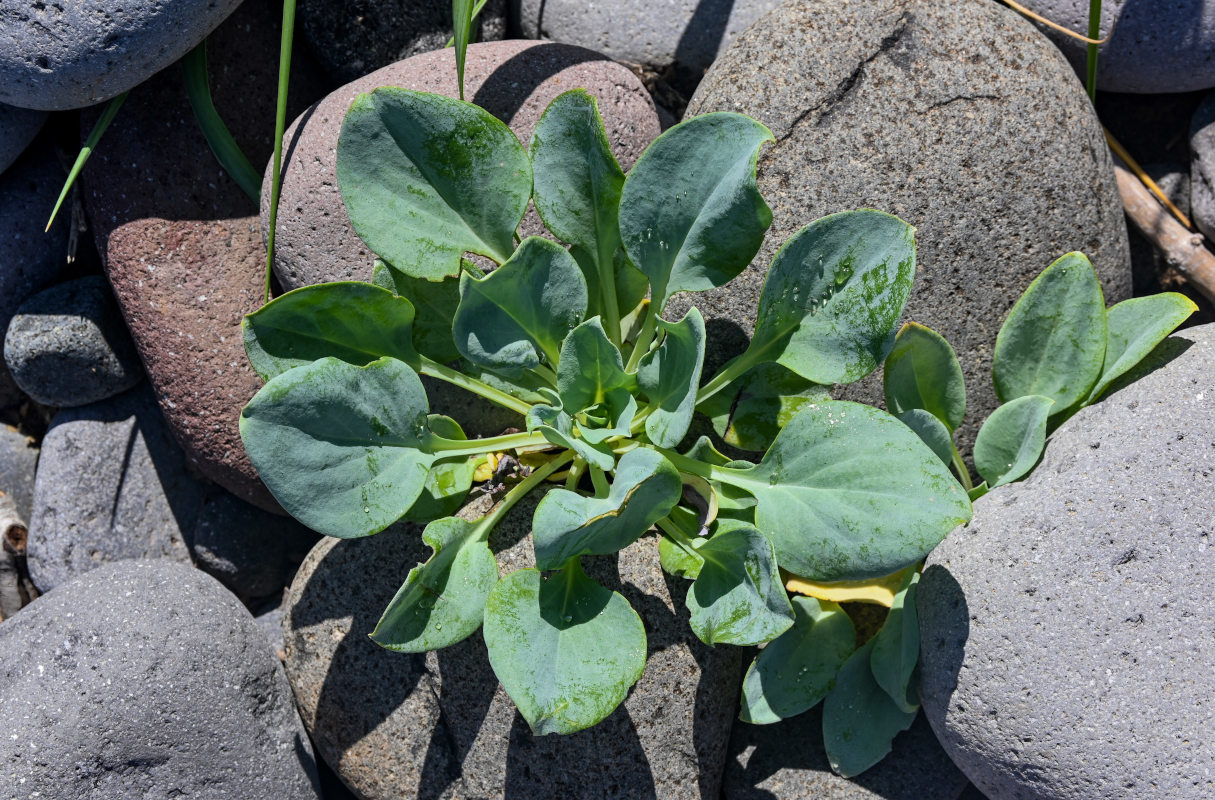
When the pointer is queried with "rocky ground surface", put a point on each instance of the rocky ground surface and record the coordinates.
(203, 644)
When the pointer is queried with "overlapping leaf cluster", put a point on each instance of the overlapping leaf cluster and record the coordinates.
(570, 337)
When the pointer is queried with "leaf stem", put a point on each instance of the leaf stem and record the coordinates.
(685, 464)
(959, 467)
(545, 374)
(451, 448)
(519, 491)
(599, 479)
(456, 378)
(607, 285)
(732, 370)
(644, 340)
(103, 122)
(672, 532)
(280, 125)
(571, 480)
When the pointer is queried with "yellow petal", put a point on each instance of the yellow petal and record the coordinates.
(880, 591)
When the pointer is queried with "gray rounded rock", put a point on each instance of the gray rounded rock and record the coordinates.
(146, 679)
(63, 55)
(1202, 166)
(68, 345)
(787, 761)
(111, 484)
(514, 80)
(438, 725)
(18, 457)
(1066, 631)
(1155, 47)
(18, 127)
(955, 115)
(354, 37)
(686, 34)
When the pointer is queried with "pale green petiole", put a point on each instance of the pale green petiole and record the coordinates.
(963, 473)
(672, 532)
(599, 479)
(456, 378)
(518, 492)
(451, 448)
(644, 340)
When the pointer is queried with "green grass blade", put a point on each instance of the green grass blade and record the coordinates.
(280, 124)
(475, 13)
(461, 18)
(103, 122)
(225, 148)
(1094, 31)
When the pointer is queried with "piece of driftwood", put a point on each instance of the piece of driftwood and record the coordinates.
(16, 588)
(1184, 250)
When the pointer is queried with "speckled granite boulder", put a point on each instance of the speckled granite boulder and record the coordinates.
(787, 761)
(146, 679)
(514, 80)
(18, 127)
(60, 55)
(1066, 632)
(955, 115)
(438, 725)
(67, 345)
(111, 484)
(354, 37)
(687, 34)
(1155, 46)
(179, 244)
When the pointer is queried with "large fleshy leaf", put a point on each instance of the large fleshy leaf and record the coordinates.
(448, 481)
(1136, 326)
(644, 489)
(670, 375)
(896, 648)
(922, 372)
(847, 492)
(794, 672)
(427, 178)
(691, 215)
(434, 307)
(1053, 342)
(753, 408)
(860, 720)
(522, 310)
(443, 600)
(566, 650)
(591, 367)
(1012, 438)
(577, 192)
(738, 597)
(931, 431)
(338, 445)
(356, 322)
(833, 297)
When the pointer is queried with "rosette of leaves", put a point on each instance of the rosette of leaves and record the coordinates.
(569, 335)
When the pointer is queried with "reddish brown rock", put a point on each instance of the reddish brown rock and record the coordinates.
(513, 80)
(180, 246)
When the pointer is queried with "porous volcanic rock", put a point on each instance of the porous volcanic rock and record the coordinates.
(18, 127)
(957, 116)
(60, 55)
(1066, 630)
(146, 679)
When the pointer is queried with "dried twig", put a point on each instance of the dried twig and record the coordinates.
(1184, 251)
(16, 588)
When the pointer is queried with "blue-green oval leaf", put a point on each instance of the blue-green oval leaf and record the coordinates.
(591, 367)
(442, 601)
(434, 307)
(1053, 342)
(753, 408)
(847, 492)
(566, 650)
(795, 671)
(522, 310)
(356, 322)
(669, 375)
(339, 446)
(931, 431)
(644, 489)
(738, 597)
(834, 295)
(427, 178)
(1134, 328)
(691, 215)
(860, 720)
(896, 648)
(922, 371)
(1011, 440)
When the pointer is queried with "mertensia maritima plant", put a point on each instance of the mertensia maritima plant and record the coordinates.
(844, 503)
